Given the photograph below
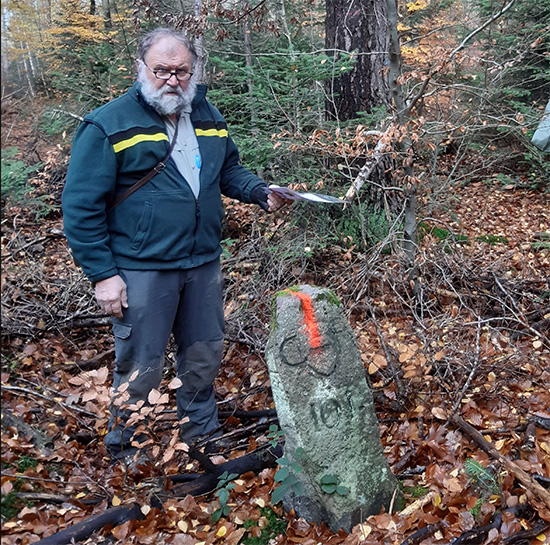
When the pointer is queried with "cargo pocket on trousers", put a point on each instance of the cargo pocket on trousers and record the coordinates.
(121, 330)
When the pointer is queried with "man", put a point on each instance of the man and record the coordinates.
(154, 255)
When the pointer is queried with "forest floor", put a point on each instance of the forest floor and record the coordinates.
(476, 352)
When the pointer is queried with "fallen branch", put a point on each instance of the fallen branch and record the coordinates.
(84, 529)
(98, 360)
(39, 440)
(525, 535)
(207, 482)
(66, 407)
(198, 486)
(371, 163)
(418, 504)
(41, 496)
(523, 477)
(422, 534)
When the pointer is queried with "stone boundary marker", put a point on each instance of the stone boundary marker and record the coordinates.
(326, 412)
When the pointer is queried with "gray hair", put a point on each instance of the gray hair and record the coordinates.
(151, 38)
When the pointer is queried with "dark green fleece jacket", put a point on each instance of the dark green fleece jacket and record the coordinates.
(162, 225)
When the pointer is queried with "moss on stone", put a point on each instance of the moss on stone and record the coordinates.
(329, 296)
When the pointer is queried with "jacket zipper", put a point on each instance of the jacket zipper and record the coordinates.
(195, 230)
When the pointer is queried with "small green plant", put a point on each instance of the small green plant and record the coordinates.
(441, 234)
(25, 462)
(540, 245)
(276, 526)
(9, 506)
(329, 485)
(492, 239)
(416, 491)
(274, 435)
(482, 479)
(224, 487)
(506, 180)
(475, 510)
(286, 476)
(15, 177)
(227, 244)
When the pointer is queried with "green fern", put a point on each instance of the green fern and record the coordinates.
(482, 479)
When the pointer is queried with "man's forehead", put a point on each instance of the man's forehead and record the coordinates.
(168, 50)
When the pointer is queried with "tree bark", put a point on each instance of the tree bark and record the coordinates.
(360, 26)
(200, 67)
(404, 146)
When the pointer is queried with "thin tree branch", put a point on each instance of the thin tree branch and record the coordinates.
(482, 27)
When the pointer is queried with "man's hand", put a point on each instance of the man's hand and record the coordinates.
(274, 202)
(111, 295)
(268, 200)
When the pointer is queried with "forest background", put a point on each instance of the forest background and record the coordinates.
(421, 115)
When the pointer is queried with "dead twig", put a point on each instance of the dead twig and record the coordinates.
(42, 497)
(418, 504)
(98, 360)
(473, 371)
(70, 409)
(396, 373)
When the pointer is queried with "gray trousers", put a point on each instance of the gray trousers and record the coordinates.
(189, 304)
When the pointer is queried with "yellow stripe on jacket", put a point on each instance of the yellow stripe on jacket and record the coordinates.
(124, 144)
(211, 132)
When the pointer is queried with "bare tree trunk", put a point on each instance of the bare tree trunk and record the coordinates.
(106, 11)
(200, 68)
(28, 72)
(410, 186)
(358, 26)
(286, 32)
(249, 63)
(403, 117)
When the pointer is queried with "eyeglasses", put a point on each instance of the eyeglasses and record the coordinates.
(181, 74)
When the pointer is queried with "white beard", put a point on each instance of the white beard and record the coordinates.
(160, 100)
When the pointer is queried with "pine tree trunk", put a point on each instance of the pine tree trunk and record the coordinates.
(360, 26)
(249, 63)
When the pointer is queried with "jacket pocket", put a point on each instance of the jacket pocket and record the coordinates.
(143, 226)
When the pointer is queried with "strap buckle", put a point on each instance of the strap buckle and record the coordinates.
(160, 167)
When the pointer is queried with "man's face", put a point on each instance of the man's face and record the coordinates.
(166, 96)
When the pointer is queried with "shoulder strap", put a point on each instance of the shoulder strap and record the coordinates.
(156, 170)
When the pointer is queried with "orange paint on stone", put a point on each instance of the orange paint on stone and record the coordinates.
(309, 317)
